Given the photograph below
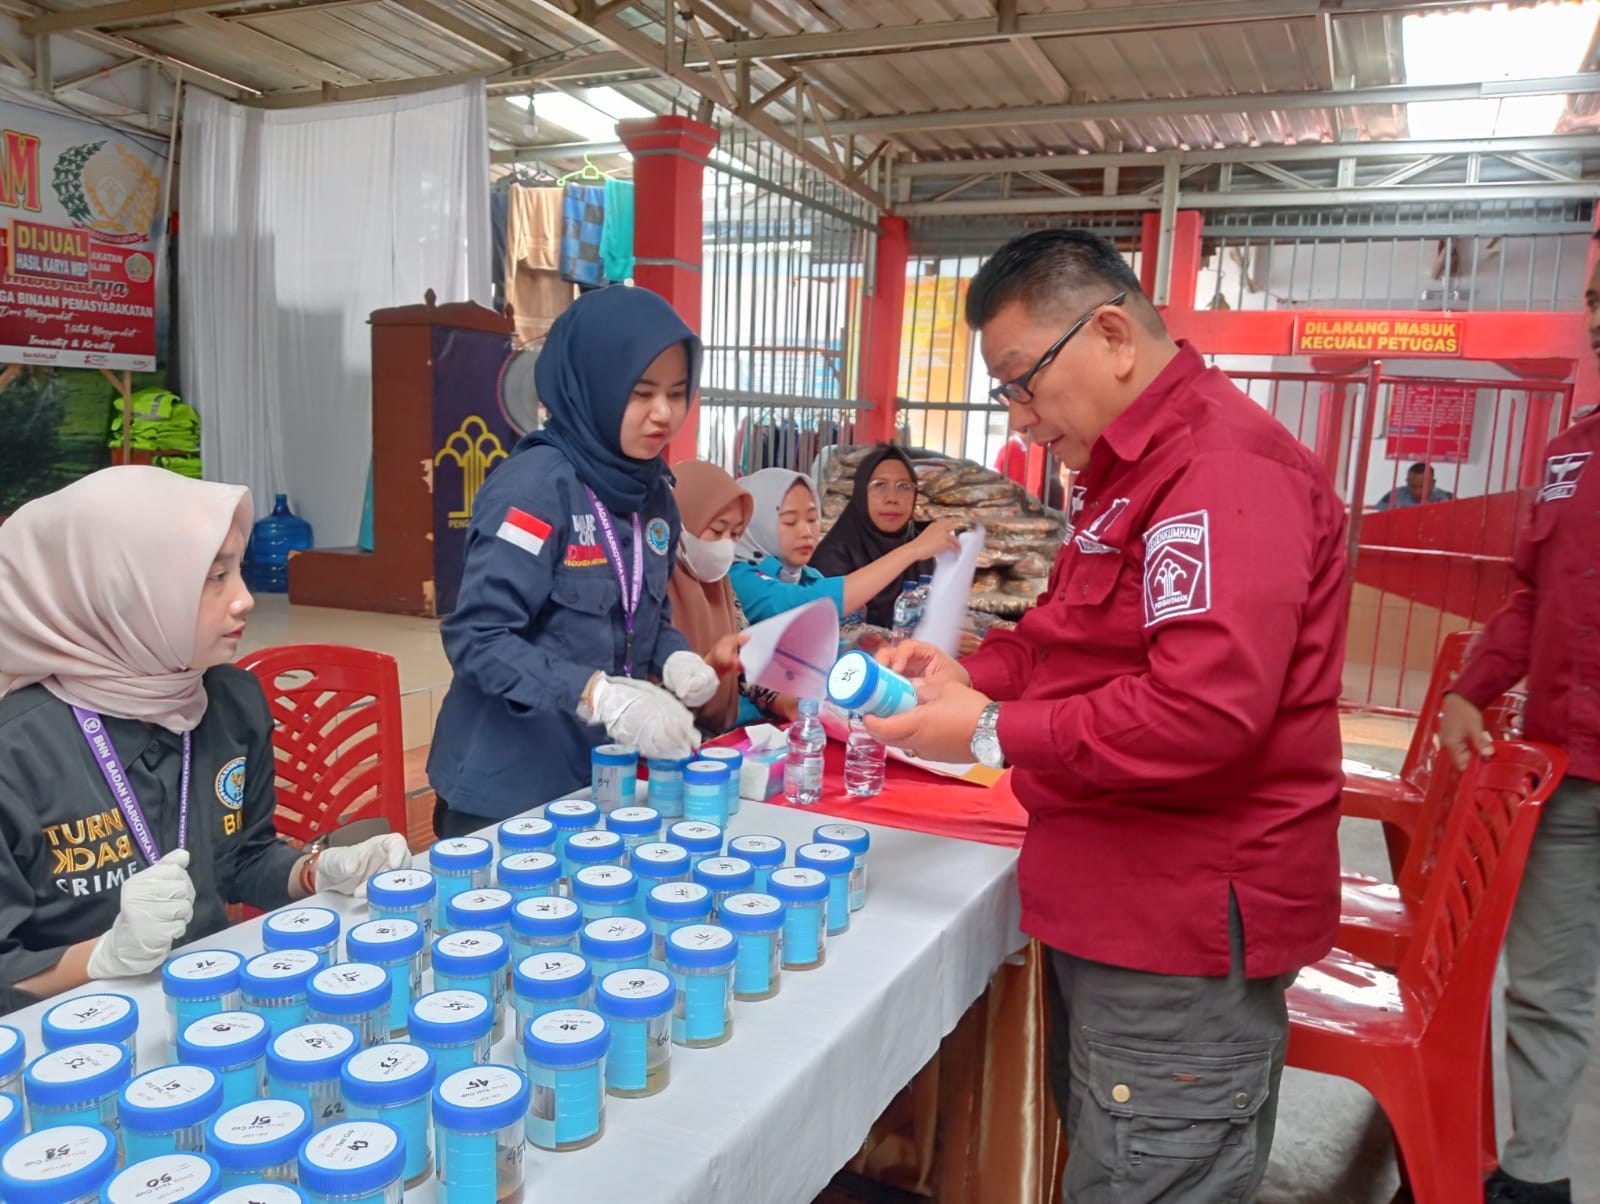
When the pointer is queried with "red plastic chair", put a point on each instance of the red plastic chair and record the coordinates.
(1417, 1038)
(337, 741)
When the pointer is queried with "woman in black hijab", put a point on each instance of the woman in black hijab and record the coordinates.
(876, 522)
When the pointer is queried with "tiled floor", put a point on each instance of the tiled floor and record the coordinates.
(1333, 1145)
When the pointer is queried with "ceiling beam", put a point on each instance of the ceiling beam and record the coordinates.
(246, 40)
(126, 12)
(1250, 102)
(473, 36)
(334, 93)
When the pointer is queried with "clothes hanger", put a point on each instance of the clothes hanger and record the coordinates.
(587, 172)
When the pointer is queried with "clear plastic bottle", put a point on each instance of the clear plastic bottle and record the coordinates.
(906, 611)
(864, 760)
(802, 769)
(924, 587)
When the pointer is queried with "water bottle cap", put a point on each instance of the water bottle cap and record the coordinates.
(660, 860)
(635, 994)
(706, 773)
(384, 940)
(810, 706)
(279, 973)
(605, 884)
(450, 1018)
(387, 1075)
(349, 989)
(486, 908)
(925, 579)
(528, 871)
(832, 859)
(527, 834)
(857, 839)
(696, 836)
(401, 888)
(461, 854)
(751, 912)
(547, 916)
(725, 873)
(616, 939)
(552, 976)
(634, 821)
(678, 901)
(77, 1074)
(470, 952)
(763, 852)
(907, 586)
(701, 947)
(572, 814)
(573, 1037)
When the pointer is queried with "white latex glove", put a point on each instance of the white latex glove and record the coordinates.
(345, 869)
(690, 678)
(642, 716)
(155, 908)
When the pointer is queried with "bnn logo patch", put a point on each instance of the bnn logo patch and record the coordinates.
(1177, 567)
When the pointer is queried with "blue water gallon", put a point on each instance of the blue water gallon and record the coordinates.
(274, 537)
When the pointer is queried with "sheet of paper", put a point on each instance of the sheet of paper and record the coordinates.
(946, 608)
(792, 652)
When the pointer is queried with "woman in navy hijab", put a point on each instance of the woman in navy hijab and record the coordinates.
(562, 626)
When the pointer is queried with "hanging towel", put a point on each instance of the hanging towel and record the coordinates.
(534, 288)
(616, 236)
(583, 215)
(499, 223)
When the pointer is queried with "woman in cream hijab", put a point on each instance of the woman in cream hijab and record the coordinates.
(136, 763)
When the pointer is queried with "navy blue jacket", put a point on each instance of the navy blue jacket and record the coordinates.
(540, 611)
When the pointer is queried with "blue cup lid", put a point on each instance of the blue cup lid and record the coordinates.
(481, 1099)
(62, 1163)
(853, 837)
(660, 860)
(387, 1075)
(548, 976)
(831, 859)
(401, 889)
(488, 907)
(615, 939)
(10, 1118)
(604, 884)
(763, 852)
(798, 885)
(528, 871)
(696, 835)
(260, 1134)
(300, 928)
(353, 1158)
(460, 854)
(725, 873)
(570, 1037)
(590, 847)
(613, 754)
(547, 918)
(349, 989)
(750, 912)
(384, 940)
(852, 680)
(203, 974)
(184, 1178)
(450, 1018)
(264, 1192)
(170, 1098)
(706, 773)
(279, 974)
(526, 834)
(468, 953)
(635, 995)
(667, 764)
(225, 1039)
(701, 947)
(678, 901)
(572, 814)
(634, 821)
(731, 757)
(77, 1074)
(13, 1051)
(310, 1053)
(99, 1017)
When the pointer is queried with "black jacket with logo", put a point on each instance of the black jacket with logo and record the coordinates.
(65, 850)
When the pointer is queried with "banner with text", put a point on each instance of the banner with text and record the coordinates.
(78, 240)
(1399, 337)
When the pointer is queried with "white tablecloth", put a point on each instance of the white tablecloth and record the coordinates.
(771, 1115)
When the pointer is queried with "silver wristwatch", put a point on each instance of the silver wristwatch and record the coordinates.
(986, 740)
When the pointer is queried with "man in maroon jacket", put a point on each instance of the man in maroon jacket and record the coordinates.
(1170, 710)
(1546, 632)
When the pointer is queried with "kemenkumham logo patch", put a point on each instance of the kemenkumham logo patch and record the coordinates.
(1177, 567)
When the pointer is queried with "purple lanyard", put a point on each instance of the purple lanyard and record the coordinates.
(105, 756)
(630, 597)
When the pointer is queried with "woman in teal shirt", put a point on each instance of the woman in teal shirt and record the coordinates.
(773, 572)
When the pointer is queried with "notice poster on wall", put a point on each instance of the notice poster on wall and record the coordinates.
(1431, 421)
(78, 240)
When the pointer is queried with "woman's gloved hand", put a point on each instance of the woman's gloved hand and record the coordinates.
(640, 715)
(156, 906)
(690, 678)
(345, 870)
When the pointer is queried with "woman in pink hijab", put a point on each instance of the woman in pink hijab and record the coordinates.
(136, 764)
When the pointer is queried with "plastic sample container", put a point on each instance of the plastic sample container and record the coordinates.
(620, 943)
(566, 1053)
(570, 816)
(657, 863)
(724, 876)
(862, 686)
(303, 1065)
(636, 826)
(475, 961)
(453, 1026)
(526, 834)
(13, 1053)
(258, 1141)
(479, 1120)
(313, 928)
(613, 776)
(261, 1192)
(603, 891)
(734, 760)
(77, 1085)
(804, 895)
(705, 793)
(395, 946)
(106, 1017)
(764, 853)
(637, 1005)
(354, 1162)
(12, 1118)
(756, 921)
(666, 785)
(199, 984)
(187, 1178)
(482, 910)
(549, 982)
(697, 838)
(838, 863)
(409, 894)
(234, 1044)
(859, 841)
(535, 874)
(596, 847)
(393, 1083)
(355, 994)
(458, 864)
(700, 958)
(66, 1165)
(273, 985)
(670, 906)
(165, 1111)
(545, 925)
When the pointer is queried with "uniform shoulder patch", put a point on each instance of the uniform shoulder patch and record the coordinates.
(658, 534)
(1177, 567)
(524, 530)
(1561, 475)
(230, 784)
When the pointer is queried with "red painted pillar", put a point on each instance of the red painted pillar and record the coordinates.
(1586, 380)
(1185, 257)
(1536, 437)
(1330, 426)
(669, 161)
(883, 313)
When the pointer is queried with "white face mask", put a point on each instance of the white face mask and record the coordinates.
(708, 559)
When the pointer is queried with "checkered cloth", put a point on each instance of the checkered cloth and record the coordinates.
(583, 216)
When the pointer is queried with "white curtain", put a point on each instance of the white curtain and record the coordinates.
(296, 225)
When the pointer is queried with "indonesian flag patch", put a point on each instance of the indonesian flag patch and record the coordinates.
(524, 530)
